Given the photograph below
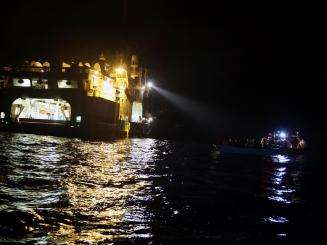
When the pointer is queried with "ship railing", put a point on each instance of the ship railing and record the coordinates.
(26, 69)
(45, 69)
(83, 70)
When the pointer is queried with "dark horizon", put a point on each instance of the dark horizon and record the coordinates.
(262, 63)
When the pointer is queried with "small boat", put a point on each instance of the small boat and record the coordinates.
(278, 143)
(230, 149)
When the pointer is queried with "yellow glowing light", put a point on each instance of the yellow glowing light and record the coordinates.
(120, 70)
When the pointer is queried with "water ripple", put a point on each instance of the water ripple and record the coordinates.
(62, 191)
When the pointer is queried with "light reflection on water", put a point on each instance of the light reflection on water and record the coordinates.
(276, 219)
(280, 158)
(106, 189)
(105, 185)
(75, 191)
(280, 191)
(281, 188)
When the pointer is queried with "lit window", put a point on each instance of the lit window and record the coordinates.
(67, 84)
(2, 114)
(39, 83)
(137, 112)
(78, 119)
(18, 82)
(40, 109)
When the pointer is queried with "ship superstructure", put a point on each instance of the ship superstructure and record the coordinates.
(100, 97)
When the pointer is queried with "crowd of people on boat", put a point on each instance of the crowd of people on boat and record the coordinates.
(281, 139)
(272, 140)
(239, 141)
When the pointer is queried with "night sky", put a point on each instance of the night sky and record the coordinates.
(263, 61)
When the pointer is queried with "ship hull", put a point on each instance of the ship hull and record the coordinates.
(90, 116)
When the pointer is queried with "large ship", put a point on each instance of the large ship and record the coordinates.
(103, 98)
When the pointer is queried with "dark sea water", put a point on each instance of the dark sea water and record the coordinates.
(144, 191)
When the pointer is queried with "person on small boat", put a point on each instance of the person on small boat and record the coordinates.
(264, 142)
(294, 142)
(301, 144)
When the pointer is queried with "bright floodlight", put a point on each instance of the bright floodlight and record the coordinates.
(149, 84)
(282, 135)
